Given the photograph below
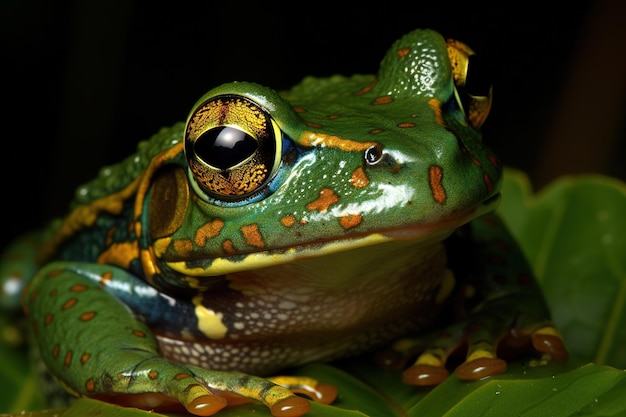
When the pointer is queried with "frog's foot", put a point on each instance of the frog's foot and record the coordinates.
(318, 392)
(484, 339)
(165, 386)
(199, 400)
(277, 393)
(548, 341)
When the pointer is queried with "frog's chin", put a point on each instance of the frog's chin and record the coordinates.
(419, 234)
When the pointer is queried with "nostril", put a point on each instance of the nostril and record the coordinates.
(374, 154)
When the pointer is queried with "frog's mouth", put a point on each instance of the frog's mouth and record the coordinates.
(424, 234)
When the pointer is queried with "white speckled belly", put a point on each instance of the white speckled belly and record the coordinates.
(316, 309)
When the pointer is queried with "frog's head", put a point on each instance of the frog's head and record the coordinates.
(333, 164)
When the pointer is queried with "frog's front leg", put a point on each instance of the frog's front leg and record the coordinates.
(95, 346)
(501, 306)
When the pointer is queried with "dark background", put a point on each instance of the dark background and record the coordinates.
(84, 81)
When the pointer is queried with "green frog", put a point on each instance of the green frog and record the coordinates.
(272, 229)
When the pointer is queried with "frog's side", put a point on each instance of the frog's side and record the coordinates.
(352, 213)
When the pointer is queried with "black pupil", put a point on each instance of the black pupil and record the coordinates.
(224, 147)
(479, 76)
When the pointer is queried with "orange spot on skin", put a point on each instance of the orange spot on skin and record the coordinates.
(493, 160)
(326, 199)
(488, 182)
(314, 125)
(106, 278)
(68, 359)
(303, 222)
(53, 292)
(55, 351)
(122, 254)
(84, 358)
(476, 161)
(403, 52)
(376, 131)
(367, 88)
(53, 274)
(288, 220)
(383, 100)
(406, 125)
(208, 231)
(334, 116)
(299, 109)
(183, 246)
(252, 235)
(87, 316)
(351, 220)
(436, 106)
(139, 333)
(69, 303)
(228, 247)
(435, 175)
(178, 377)
(90, 385)
(78, 288)
(359, 178)
(48, 319)
(153, 374)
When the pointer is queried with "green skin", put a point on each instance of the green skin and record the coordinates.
(369, 199)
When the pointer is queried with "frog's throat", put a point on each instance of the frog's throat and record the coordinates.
(425, 233)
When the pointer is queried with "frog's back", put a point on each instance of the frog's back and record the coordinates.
(114, 178)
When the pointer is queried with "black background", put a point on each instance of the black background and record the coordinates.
(85, 81)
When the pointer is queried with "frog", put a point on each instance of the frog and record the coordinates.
(347, 215)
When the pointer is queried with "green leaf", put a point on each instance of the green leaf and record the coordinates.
(19, 388)
(587, 387)
(574, 234)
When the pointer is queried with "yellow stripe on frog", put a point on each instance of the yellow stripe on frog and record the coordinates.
(320, 139)
(256, 260)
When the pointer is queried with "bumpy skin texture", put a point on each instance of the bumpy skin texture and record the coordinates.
(273, 229)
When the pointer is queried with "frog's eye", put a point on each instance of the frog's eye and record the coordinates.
(233, 147)
(472, 81)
